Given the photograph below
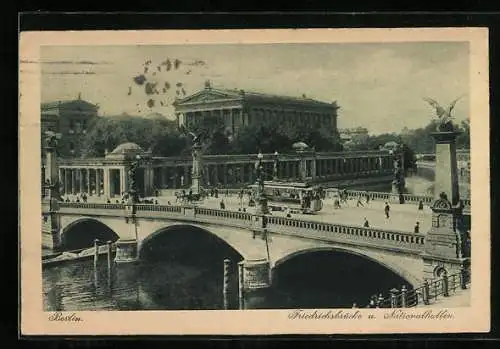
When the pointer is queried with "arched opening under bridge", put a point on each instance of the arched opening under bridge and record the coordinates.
(182, 267)
(330, 278)
(82, 233)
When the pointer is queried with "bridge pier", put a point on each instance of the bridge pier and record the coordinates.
(255, 274)
(126, 251)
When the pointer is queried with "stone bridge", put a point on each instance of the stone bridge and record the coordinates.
(262, 249)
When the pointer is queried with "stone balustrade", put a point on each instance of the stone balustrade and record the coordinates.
(370, 237)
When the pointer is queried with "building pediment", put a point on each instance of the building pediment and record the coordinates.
(207, 95)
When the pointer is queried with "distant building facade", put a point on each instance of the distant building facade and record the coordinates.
(353, 134)
(70, 118)
(239, 109)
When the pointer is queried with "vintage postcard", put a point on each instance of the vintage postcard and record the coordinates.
(254, 182)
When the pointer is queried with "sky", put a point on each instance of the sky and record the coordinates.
(377, 86)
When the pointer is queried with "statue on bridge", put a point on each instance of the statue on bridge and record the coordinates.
(443, 115)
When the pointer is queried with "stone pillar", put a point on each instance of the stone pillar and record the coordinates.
(66, 181)
(256, 274)
(443, 249)
(87, 172)
(126, 251)
(73, 181)
(242, 173)
(98, 182)
(224, 178)
(111, 182)
(446, 178)
(216, 174)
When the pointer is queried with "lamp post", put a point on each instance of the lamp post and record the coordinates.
(275, 165)
(261, 208)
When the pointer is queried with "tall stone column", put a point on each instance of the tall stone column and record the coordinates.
(444, 242)
(73, 181)
(97, 173)
(87, 172)
(66, 182)
(224, 170)
(242, 173)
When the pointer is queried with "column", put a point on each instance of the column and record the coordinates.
(66, 181)
(216, 174)
(73, 181)
(97, 182)
(224, 175)
(186, 175)
(87, 171)
(242, 173)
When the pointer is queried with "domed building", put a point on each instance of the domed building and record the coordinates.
(128, 151)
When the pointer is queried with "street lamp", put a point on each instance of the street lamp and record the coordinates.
(260, 195)
(276, 164)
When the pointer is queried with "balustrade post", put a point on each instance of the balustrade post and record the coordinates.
(394, 300)
(241, 295)
(404, 292)
(225, 290)
(445, 284)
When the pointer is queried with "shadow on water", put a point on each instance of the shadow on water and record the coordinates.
(183, 268)
(329, 279)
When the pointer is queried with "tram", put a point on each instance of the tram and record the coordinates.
(297, 196)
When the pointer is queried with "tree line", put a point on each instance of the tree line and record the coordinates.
(164, 138)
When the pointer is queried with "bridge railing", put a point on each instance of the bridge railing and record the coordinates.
(92, 205)
(159, 208)
(427, 293)
(343, 233)
(281, 225)
(351, 194)
(232, 215)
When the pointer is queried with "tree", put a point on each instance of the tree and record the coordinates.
(463, 139)
(159, 135)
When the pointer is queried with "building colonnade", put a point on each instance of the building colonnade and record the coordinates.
(111, 180)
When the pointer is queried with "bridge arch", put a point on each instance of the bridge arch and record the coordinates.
(82, 232)
(391, 264)
(147, 243)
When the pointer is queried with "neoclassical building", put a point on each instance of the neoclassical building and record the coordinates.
(239, 108)
(108, 176)
(71, 119)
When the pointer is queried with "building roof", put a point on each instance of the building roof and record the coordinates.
(209, 94)
(73, 103)
(127, 148)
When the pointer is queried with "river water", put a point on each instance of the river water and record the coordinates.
(318, 280)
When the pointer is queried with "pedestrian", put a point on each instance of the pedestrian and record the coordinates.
(416, 229)
(359, 203)
(336, 203)
(367, 197)
(386, 210)
(222, 205)
(420, 205)
(366, 224)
